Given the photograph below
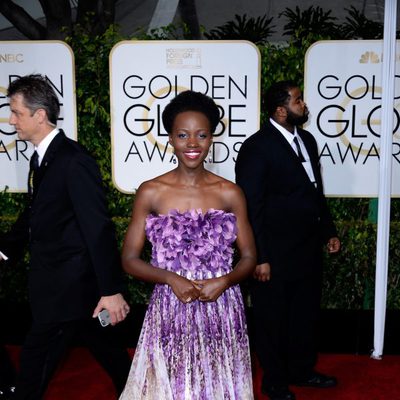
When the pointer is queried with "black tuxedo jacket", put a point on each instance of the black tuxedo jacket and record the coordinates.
(289, 215)
(74, 257)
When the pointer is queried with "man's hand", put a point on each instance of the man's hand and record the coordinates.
(115, 305)
(262, 272)
(333, 245)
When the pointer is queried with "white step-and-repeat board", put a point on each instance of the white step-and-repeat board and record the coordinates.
(53, 59)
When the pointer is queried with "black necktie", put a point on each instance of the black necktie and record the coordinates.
(33, 166)
(299, 153)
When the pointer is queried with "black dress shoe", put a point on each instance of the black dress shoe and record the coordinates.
(317, 380)
(278, 392)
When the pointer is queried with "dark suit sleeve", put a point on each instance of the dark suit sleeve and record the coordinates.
(251, 175)
(328, 229)
(89, 203)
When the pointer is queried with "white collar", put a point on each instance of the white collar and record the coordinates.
(44, 144)
(289, 136)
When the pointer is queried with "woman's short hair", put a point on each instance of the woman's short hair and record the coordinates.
(191, 101)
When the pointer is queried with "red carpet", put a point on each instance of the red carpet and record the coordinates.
(360, 378)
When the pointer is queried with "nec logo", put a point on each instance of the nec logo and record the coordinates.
(11, 58)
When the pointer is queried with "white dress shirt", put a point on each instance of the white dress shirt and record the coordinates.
(45, 143)
(289, 136)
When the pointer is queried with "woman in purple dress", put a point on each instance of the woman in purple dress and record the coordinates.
(193, 344)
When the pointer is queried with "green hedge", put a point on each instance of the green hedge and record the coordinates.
(349, 276)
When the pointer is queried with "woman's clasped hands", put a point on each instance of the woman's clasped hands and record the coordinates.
(203, 290)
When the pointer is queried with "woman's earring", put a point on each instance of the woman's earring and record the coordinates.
(173, 153)
(210, 158)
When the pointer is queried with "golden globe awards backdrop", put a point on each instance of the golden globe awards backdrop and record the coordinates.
(53, 59)
(343, 92)
(146, 75)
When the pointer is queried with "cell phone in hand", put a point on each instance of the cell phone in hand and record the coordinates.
(104, 318)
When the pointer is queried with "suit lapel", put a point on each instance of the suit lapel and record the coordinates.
(284, 143)
(314, 163)
(47, 159)
(291, 153)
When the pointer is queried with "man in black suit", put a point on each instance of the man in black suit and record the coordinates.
(74, 268)
(278, 170)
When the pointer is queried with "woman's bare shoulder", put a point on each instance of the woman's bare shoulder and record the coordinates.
(154, 189)
(224, 184)
(225, 190)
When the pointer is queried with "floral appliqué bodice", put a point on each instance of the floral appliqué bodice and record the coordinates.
(190, 241)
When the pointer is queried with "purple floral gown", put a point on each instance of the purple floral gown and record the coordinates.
(198, 350)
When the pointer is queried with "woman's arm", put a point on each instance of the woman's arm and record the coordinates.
(244, 241)
(211, 289)
(133, 245)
